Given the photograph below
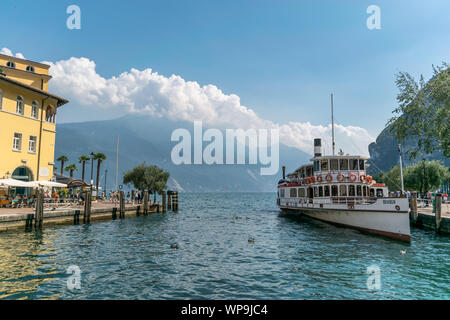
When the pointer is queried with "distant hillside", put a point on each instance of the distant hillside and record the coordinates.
(384, 153)
(142, 138)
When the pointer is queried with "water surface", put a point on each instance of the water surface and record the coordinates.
(291, 258)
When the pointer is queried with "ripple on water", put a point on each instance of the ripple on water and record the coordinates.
(290, 258)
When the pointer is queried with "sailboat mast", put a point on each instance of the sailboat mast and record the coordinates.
(117, 161)
(401, 168)
(332, 123)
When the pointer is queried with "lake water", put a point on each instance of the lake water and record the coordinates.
(290, 258)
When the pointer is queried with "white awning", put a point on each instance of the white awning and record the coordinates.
(16, 183)
(44, 183)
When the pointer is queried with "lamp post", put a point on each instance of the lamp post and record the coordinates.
(106, 172)
(92, 168)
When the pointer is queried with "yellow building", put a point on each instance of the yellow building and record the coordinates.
(27, 120)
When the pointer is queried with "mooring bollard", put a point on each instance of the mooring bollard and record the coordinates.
(169, 200)
(438, 214)
(414, 206)
(29, 222)
(138, 210)
(145, 203)
(121, 205)
(76, 217)
(39, 211)
(174, 201)
(114, 213)
(163, 202)
(87, 207)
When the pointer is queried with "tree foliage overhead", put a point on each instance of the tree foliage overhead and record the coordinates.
(423, 112)
(147, 178)
(423, 176)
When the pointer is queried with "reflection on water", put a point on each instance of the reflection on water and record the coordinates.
(291, 257)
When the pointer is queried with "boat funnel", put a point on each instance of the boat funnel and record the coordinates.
(284, 172)
(317, 147)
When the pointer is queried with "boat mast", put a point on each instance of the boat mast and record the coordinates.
(117, 161)
(401, 169)
(332, 123)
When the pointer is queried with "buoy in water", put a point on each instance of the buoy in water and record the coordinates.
(174, 246)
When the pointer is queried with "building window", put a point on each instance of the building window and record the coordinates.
(17, 142)
(50, 114)
(30, 68)
(32, 144)
(10, 64)
(19, 107)
(34, 109)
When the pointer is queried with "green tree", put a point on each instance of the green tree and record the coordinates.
(71, 168)
(100, 157)
(82, 159)
(147, 178)
(62, 159)
(425, 176)
(423, 112)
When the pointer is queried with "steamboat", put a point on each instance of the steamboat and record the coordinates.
(336, 189)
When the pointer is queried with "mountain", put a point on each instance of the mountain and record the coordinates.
(144, 138)
(384, 153)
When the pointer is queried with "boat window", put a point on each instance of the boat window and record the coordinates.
(379, 193)
(351, 190)
(320, 191)
(301, 192)
(293, 193)
(309, 171)
(310, 192)
(372, 192)
(333, 164)
(343, 190)
(324, 165)
(334, 190)
(316, 165)
(358, 191)
(361, 165)
(354, 164)
(365, 191)
(282, 193)
(316, 192)
(326, 191)
(343, 164)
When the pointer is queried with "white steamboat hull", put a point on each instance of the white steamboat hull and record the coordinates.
(392, 224)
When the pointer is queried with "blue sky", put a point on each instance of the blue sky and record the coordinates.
(282, 58)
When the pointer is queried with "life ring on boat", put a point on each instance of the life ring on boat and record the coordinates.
(340, 177)
(362, 178)
(369, 179)
(313, 179)
(352, 177)
(319, 178)
(329, 177)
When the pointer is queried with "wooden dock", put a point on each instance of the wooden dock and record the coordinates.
(36, 218)
(425, 218)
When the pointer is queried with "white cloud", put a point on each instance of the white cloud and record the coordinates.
(8, 52)
(174, 98)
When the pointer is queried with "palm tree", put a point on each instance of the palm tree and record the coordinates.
(99, 157)
(71, 168)
(82, 159)
(62, 159)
